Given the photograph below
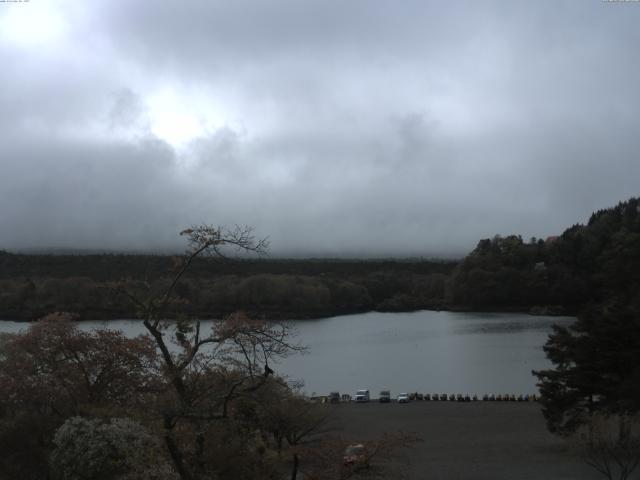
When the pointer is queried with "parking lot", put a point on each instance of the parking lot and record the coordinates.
(468, 440)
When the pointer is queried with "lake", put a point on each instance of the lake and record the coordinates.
(425, 351)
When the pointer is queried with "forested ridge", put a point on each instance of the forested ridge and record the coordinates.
(32, 285)
(585, 264)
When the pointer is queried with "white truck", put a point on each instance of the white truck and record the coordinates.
(362, 396)
(385, 396)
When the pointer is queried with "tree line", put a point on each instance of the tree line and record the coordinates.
(32, 286)
(586, 264)
(557, 275)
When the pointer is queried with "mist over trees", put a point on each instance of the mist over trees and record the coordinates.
(557, 275)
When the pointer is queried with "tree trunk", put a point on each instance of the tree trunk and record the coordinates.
(294, 471)
(174, 451)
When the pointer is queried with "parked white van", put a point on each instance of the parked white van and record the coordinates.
(362, 396)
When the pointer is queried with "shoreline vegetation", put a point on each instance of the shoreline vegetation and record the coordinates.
(357, 287)
(536, 311)
(559, 275)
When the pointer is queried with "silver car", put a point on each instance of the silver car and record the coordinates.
(403, 398)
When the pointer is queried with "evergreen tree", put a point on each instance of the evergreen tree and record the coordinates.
(596, 367)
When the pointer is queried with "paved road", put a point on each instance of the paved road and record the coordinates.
(477, 440)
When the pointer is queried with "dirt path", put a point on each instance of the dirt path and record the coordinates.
(477, 440)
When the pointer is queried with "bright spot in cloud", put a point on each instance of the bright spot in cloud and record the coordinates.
(176, 119)
(31, 24)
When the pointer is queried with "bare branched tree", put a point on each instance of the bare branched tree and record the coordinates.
(208, 370)
(611, 445)
(378, 458)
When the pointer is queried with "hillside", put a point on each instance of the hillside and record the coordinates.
(586, 264)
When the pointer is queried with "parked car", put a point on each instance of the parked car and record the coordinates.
(385, 396)
(334, 397)
(356, 456)
(362, 396)
(403, 398)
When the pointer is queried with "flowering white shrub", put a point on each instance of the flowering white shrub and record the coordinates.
(120, 449)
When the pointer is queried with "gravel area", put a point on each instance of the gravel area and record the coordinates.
(475, 440)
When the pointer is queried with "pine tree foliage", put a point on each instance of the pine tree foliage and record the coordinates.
(596, 368)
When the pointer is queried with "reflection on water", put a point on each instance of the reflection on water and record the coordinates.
(418, 351)
(423, 351)
(507, 323)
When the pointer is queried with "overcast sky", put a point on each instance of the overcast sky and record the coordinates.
(359, 127)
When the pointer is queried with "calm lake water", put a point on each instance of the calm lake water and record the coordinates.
(424, 351)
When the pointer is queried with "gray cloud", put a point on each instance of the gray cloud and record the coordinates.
(336, 128)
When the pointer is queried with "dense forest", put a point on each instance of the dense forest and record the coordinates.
(557, 275)
(585, 265)
(33, 285)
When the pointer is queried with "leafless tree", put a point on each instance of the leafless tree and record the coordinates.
(379, 458)
(611, 445)
(207, 370)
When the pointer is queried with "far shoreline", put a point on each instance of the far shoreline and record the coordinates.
(534, 311)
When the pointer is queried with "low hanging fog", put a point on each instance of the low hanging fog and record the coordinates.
(336, 128)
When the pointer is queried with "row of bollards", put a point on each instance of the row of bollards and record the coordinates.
(440, 397)
(444, 397)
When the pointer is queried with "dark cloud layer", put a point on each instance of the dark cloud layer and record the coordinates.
(336, 128)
